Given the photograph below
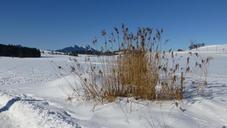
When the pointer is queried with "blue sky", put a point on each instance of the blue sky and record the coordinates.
(54, 24)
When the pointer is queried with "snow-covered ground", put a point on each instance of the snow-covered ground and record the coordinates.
(212, 49)
(34, 91)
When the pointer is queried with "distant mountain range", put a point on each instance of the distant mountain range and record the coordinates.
(79, 50)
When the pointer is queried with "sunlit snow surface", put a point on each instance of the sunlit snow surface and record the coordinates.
(33, 93)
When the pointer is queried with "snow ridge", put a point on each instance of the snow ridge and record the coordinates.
(35, 113)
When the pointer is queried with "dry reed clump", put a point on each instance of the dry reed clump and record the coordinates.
(134, 71)
(135, 67)
(135, 75)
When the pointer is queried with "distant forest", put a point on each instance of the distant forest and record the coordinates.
(18, 51)
(196, 45)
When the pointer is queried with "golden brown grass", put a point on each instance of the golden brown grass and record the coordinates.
(137, 74)
(138, 69)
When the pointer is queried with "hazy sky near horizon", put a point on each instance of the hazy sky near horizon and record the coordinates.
(54, 24)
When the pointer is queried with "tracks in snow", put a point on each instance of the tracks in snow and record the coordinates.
(23, 111)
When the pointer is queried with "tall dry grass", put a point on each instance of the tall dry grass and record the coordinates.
(135, 66)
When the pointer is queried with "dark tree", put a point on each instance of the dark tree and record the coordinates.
(196, 45)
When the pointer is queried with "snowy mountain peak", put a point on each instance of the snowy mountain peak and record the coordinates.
(78, 49)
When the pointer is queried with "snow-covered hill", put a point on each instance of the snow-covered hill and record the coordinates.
(213, 49)
(34, 91)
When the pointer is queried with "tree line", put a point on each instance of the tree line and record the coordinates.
(18, 51)
(196, 45)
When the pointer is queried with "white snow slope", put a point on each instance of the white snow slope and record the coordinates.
(33, 93)
(213, 49)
